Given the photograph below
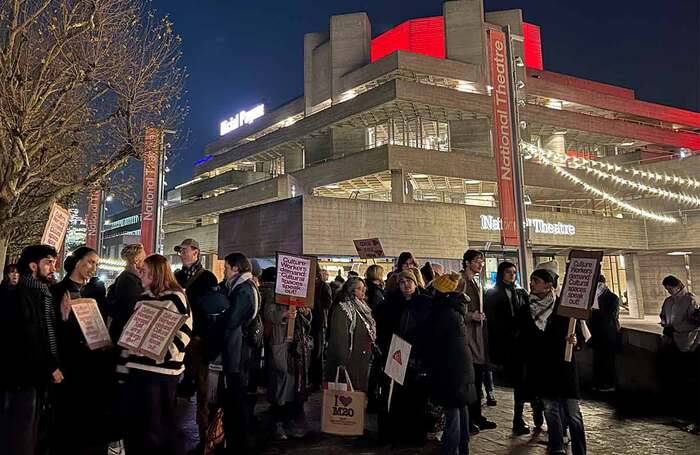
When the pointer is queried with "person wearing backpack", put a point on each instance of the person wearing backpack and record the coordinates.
(242, 316)
(196, 281)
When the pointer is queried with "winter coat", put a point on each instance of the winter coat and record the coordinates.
(122, 297)
(323, 299)
(407, 319)
(375, 295)
(680, 313)
(449, 359)
(24, 342)
(203, 283)
(244, 304)
(356, 358)
(502, 305)
(604, 322)
(548, 375)
(476, 330)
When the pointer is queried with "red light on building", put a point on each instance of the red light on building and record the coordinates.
(424, 36)
(533, 46)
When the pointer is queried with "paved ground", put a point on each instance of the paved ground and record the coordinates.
(608, 433)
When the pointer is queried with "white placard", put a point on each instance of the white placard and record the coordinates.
(91, 323)
(292, 275)
(581, 279)
(397, 359)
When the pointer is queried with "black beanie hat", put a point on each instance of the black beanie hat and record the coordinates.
(75, 257)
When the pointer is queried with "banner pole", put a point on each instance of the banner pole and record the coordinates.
(391, 392)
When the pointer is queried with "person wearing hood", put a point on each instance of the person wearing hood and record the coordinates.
(405, 314)
(605, 342)
(503, 304)
(549, 376)
(244, 301)
(82, 409)
(472, 265)
(450, 362)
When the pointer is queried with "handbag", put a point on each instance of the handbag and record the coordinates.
(343, 408)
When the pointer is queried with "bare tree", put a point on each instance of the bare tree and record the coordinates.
(80, 80)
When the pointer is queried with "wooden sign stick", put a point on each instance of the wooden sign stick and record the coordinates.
(568, 354)
(291, 318)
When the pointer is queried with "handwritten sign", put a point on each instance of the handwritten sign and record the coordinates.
(580, 282)
(295, 280)
(150, 330)
(397, 360)
(91, 323)
(369, 248)
(56, 227)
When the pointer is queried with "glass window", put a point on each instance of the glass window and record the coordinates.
(412, 133)
(429, 134)
(382, 134)
(371, 137)
(443, 137)
(399, 132)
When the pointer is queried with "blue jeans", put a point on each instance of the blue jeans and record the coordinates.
(561, 413)
(455, 437)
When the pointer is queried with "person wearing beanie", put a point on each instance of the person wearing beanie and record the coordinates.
(450, 363)
(404, 313)
(503, 304)
(544, 338)
(82, 409)
(472, 265)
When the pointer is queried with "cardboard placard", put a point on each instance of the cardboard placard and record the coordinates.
(397, 360)
(580, 283)
(296, 280)
(369, 248)
(150, 330)
(56, 227)
(91, 323)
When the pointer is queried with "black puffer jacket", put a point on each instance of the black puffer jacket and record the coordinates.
(449, 359)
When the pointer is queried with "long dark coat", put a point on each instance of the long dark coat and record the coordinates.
(604, 322)
(503, 323)
(449, 359)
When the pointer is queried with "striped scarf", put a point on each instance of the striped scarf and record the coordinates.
(49, 321)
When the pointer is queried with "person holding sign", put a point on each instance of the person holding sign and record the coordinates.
(549, 376)
(151, 385)
(83, 409)
(29, 352)
(450, 362)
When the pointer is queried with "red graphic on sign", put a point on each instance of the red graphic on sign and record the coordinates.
(397, 357)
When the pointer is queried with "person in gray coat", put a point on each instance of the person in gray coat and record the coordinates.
(286, 361)
(352, 334)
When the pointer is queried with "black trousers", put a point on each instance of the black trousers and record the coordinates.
(475, 415)
(152, 425)
(236, 416)
(20, 414)
(603, 367)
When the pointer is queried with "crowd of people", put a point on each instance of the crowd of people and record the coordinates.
(61, 397)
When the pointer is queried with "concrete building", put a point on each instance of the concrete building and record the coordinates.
(391, 138)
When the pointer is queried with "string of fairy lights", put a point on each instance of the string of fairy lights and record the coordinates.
(608, 172)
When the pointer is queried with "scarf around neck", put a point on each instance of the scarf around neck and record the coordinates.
(191, 270)
(355, 307)
(541, 309)
(49, 321)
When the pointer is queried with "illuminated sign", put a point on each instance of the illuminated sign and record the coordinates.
(492, 223)
(242, 118)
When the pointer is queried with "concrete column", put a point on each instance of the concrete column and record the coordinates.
(465, 39)
(401, 190)
(293, 160)
(555, 143)
(635, 296)
(351, 36)
(314, 69)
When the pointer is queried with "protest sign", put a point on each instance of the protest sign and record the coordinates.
(579, 290)
(56, 227)
(150, 330)
(396, 363)
(369, 248)
(296, 279)
(91, 323)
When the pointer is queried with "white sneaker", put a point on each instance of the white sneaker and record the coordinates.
(116, 448)
(278, 433)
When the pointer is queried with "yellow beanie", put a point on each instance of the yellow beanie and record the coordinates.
(447, 282)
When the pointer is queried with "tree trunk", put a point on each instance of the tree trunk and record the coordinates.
(4, 242)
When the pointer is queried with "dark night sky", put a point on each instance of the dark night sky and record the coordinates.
(240, 53)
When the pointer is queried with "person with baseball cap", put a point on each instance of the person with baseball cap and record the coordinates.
(197, 282)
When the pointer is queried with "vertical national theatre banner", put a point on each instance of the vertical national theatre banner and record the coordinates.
(150, 198)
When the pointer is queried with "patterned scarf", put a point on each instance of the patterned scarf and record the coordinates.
(356, 307)
(191, 270)
(49, 322)
(541, 309)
